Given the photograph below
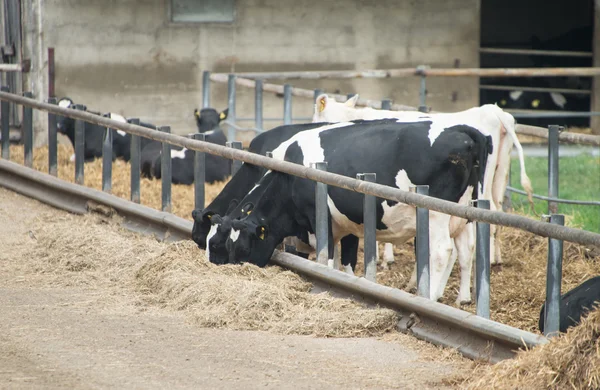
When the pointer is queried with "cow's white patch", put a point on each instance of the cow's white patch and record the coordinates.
(348, 269)
(117, 117)
(121, 133)
(64, 103)
(457, 223)
(178, 153)
(312, 240)
(234, 235)
(388, 253)
(559, 99)
(330, 263)
(515, 95)
(211, 233)
(402, 180)
(209, 132)
(72, 158)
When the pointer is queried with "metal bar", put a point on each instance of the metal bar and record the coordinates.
(51, 73)
(136, 163)
(11, 68)
(482, 264)
(52, 141)
(528, 52)
(206, 89)
(370, 224)
(231, 80)
(565, 136)
(258, 105)
(553, 131)
(553, 281)
(507, 202)
(199, 174)
(107, 155)
(422, 245)
(4, 118)
(322, 228)
(79, 146)
(287, 104)
(28, 132)
(517, 113)
(235, 164)
(386, 104)
(534, 89)
(556, 200)
(493, 217)
(166, 171)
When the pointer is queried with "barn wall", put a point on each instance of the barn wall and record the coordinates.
(125, 56)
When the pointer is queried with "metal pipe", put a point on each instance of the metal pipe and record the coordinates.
(422, 245)
(507, 202)
(235, 164)
(107, 155)
(370, 225)
(206, 89)
(4, 118)
(565, 136)
(534, 89)
(258, 105)
(553, 281)
(471, 213)
(386, 104)
(199, 173)
(231, 104)
(166, 171)
(52, 141)
(28, 132)
(79, 146)
(482, 264)
(287, 104)
(11, 68)
(135, 155)
(322, 211)
(556, 200)
(51, 73)
(553, 131)
(529, 52)
(422, 89)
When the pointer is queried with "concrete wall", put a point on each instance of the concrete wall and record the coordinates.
(125, 56)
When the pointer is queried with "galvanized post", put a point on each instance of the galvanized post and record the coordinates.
(553, 280)
(422, 245)
(166, 171)
(4, 113)
(199, 173)
(553, 131)
(423, 88)
(52, 141)
(482, 264)
(370, 224)
(79, 146)
(322, 228)
(386, 104)
(507, 204)
(206, 89)
(287, 104)
(258, 105)
(135, 154)
(107, 154)
(28, 132)
(231, 104)
(235, 164)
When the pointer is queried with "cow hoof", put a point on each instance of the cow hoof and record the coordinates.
(463, 302)
(348, 270)
(330, 264)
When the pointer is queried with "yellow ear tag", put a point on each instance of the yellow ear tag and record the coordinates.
(209, 216)
(262, 233)
(503, 102)
(248, 213)
(322, 104)
(535, 103)
(222, 116)
(197, 113)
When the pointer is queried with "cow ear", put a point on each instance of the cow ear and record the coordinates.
(232, 204)
(223, 114)
(197, 113)
(261, 232)
(321, 102)
(352, 101)
(247, 209)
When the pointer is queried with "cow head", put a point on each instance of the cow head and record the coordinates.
(203, 223)
(65, 125)
(250, 241)
(208, 119)
(329, 110)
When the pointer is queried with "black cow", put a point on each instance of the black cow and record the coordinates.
(450, 160)
(575, 304)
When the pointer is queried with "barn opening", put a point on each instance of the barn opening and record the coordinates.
(541, 34)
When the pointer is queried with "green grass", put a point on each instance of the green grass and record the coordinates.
(579, 179)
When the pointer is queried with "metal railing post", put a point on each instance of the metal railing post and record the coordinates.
(28, 132)
(322, 228)
(482, 264)
(507, 203)
(199, 173)
(386, 104)
(52, 141)
(166, 171)
(287, 104)
(4, 118)
(235, 164)
(206, 89)
(553, 132)
(79, 146)
(370, 224)
(107, 154)
(231, 105)
(422, 245)
(553, 280)
(258, 105)
(423, 88)
(135, 155)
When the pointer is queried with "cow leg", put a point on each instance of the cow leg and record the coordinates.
(349, 253)
(440, 250)
(465, 246)
(388, 255)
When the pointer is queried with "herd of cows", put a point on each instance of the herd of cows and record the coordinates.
(462, 156)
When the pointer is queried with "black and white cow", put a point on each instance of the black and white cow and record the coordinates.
(451, 161)
(575, 304)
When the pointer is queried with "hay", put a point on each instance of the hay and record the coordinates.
(250, 298)
(571, 361)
